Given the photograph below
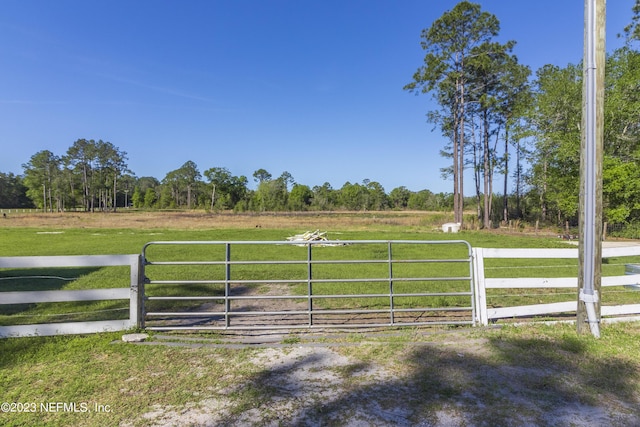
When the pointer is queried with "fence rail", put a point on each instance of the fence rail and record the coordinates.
(490, 314)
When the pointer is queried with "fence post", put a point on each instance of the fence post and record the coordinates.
(479, 286)
(136, 304)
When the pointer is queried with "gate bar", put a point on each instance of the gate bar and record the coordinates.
(228, 312)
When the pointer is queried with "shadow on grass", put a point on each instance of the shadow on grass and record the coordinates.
(35, 279)
(40, 279)
(499, 379)
(502, 381)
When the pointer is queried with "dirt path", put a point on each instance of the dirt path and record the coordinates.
(276, 305)
(453, 380)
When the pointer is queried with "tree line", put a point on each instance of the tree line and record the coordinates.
(94, 176)
(498, 116)
(500, 119)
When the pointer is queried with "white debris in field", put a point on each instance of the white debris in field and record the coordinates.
(308, 236)
(315, 236)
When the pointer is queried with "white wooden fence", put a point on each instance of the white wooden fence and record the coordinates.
(48, 329)
(482, 283)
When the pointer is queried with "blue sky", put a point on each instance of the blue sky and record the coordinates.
(309, 87)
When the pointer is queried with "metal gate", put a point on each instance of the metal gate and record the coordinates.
(249, 285)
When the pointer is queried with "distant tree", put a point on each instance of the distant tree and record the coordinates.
(449, 44)
(324, 197)
(146, 182)
(220, 180)
(170, 194)
(556, 123)
(261, 175)
(376, 199)
(419, 200)
(271, 195)
(137, 198)
(111, 165)
(99, 164)
(353, 196)
(399, 197)
(127, 185)
(300, 197)
(494, 76)
(238, 190)
(227, 190)
(182, 183)
(555, 160)
(150, 197)
(70, 184)
(440, 202)
(13, 192)
(515, 101)
(146, 188)
(81, 158)
(41, 173)
(190, 176)
(287, 179)
(426, 200)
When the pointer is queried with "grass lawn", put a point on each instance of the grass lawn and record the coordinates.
(512, 376)
(536, 375)
(123, 233)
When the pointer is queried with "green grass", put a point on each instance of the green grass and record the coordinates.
(63, 279)
(547, 366)
(92, 370)
(33, 241)
(511, 369)
(508, 268)
(30, 241)
(331, 265)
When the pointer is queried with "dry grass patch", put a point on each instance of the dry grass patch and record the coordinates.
(187, 220)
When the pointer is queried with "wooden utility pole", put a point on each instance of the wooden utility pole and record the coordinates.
(591, 148)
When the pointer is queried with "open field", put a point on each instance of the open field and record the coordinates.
(138, 227)
(197, 219)
(128, 232)
(204, 220)
(445, 376)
